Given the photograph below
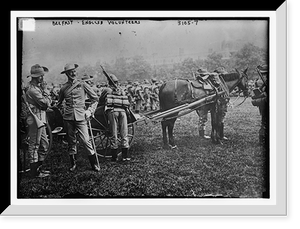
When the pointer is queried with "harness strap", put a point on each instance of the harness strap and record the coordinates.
(175, 91)
(191, 89)
(224, 86)
(70, 89)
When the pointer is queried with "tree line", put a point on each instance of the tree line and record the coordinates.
(137, 68)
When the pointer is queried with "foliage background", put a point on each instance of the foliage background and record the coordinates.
(136, 68)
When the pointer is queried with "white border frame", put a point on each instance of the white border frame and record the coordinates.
(276, 205)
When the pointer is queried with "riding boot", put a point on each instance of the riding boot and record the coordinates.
(93, 162)
(114, 154)
(34, 171)
(73, 159)
(39, 169)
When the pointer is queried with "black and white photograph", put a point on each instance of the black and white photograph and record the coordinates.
(122, 109)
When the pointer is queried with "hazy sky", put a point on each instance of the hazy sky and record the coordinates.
(56, 42)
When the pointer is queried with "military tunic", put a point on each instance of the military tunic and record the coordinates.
(74, 113)
(38, 143)
(75, 100)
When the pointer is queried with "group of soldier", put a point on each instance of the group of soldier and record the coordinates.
(76, 111)
(73, 93)
(143, 95)
(116, 98)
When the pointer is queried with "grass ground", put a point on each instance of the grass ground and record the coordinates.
(197, 168)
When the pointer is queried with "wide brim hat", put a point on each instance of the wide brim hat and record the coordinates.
(69, 67)
(37, 71)
(154, 80)
(87, 77)
(113, 77)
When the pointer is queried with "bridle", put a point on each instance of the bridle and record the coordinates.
(244, 75)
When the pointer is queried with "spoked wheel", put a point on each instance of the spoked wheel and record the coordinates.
(23, 163)
(49, 136)
(102, 140)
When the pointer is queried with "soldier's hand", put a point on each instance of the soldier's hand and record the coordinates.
(87, 114)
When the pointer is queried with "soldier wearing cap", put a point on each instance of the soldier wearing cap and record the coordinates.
(260, 99)
(74, 92)
(203, 74)
(147, 98)
(116, 113)
(130, 94)
(38, 101)
(138, 97)
(223, 103)
(88, 79)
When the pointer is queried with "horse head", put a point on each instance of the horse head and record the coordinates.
(242, 83)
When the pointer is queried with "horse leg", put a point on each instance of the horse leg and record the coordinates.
(164, 132)
(170, 132)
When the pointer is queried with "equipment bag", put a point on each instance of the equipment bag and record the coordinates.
(120, 101)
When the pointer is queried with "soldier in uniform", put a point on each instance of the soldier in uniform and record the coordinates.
(116, 112)
(138, 97)
(155, 98)
(130, 94)
(260, 99)
(222, 102)
(147, 98)
(74, 93)
(38, 101)
(203, 112)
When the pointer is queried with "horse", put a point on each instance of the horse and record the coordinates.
(177, 92)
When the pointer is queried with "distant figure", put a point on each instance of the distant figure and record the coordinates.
(147, 99)
(155, 98)
(138, 97)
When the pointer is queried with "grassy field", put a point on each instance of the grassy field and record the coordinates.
(197, 168)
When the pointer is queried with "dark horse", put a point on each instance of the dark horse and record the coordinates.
(176, 92)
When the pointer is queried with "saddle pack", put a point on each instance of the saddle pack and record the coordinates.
(212, 83)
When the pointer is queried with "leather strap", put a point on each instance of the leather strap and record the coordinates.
(70, 89)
